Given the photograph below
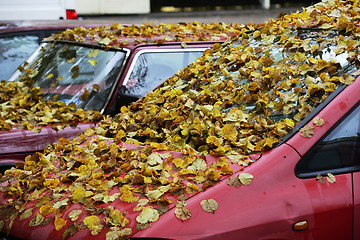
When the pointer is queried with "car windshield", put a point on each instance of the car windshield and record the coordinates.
(77, 74)
(283, 92)
(246, 95)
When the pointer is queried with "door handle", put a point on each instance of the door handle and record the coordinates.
(301, 226)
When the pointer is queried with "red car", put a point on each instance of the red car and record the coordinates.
(258, 139)
(99, 73)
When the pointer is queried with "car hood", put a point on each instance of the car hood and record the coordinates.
(85, 219)
(25, 141)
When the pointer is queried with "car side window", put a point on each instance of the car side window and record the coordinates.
(337, 152)
(14, 50)
(152, 68)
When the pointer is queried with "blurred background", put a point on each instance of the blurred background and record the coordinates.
(143, 11)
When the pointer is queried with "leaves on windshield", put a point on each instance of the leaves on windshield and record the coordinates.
(198, 128)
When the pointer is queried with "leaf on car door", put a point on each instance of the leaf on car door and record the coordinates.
(331, 178)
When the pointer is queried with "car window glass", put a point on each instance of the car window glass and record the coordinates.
(74, 74)
(13, 51)
(153, 68)
(340, 149)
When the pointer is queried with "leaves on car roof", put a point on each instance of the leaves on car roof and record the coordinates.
(239, 98)
(118, 35)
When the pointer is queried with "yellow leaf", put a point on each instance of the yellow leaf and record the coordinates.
(93, 53)
(92, 62)
(230, 132)
(93, 223)
(89, 132)
(245, 178)
(148, 214)
(59, 223)
(318, 121)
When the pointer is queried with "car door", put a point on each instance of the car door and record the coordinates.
(333, 164)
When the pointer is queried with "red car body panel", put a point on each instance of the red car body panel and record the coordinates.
(18, 141)
(267, 208)
(356, 183)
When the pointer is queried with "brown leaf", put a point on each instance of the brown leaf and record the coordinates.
(234, 181)
(318, 121)
(307, 131)
(182, 213)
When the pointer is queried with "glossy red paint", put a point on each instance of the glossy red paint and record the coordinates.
(16, 144)
(356, 218)
(267, 208)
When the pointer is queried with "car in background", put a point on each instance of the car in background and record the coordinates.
(257, 139)
(88, 70)
(19, 39)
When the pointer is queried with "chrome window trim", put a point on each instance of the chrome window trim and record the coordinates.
(167, 50)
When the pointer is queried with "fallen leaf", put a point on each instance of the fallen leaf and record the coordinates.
(245, 178)
(307, 131)
(182, 213)
(331, 178)
(147, 215)
(209, 205)
(318, 121)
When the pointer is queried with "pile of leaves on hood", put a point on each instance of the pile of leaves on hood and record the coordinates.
(238, 98)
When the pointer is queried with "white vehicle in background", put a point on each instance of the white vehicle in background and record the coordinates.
(101, 7)
(37, 9)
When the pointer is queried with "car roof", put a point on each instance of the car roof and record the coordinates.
(131, 36)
